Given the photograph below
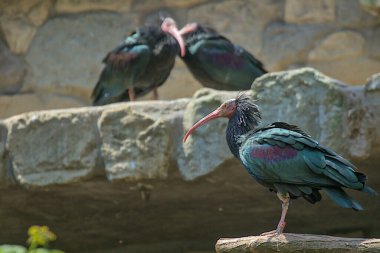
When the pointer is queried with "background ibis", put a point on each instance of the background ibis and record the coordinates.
(142, 61)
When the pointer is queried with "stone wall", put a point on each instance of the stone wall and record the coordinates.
(143, 140)
(51, 51)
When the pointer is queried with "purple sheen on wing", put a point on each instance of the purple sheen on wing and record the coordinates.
(273, 153)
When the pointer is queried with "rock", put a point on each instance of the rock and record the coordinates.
(371, 6)
(149, 5)
(134, 144)
(339, 45)
(12, 71)
(87, 38)
(309, 11)
(13, 105)
(197, 158)
(74, 6)
(362, 67)
(53, 153)
(291, 243)
(40, 12)
(373, 43)
(373, 83)
(19, 7)
(297, 104)
(349, 14)
(241, 21)
(291, 41)
(18, 33)
(3, 155)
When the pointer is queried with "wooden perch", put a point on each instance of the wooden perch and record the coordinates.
(289, 243)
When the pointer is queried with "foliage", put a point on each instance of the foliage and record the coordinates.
(39, 238)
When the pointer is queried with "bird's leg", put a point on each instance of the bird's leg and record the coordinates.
(155, 94)
(285, 198)
(131, 94)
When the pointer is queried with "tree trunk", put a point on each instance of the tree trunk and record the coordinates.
(289, 243)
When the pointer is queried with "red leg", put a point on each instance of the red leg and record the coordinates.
(155, 94)
(285, 198)
(131, 94)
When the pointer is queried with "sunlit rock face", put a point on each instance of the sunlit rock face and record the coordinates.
(143, 140)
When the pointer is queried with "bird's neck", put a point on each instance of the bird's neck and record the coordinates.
(238, 126)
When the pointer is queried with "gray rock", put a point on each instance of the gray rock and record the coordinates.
(306, 98)
(18, 32)
(309, 11)
(134, 144)
(371, 6)
(206, 148)
(373, 83)
(291, 41)
(12, 71)
(80, 43)
(241, 21)
(15, 104)
(350, 15)
(373, 43)
(339, 45)
(3, 158)
(53, 147)
(74, 6)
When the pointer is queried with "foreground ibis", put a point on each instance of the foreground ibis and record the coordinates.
(143, 61)
(285, 159)
(216, 62)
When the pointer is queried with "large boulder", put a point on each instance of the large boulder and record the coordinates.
(51, 147)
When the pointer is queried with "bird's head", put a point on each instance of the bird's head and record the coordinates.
(246, 112)
(169, 26)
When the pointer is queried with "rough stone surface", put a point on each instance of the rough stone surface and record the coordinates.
(309, 11)
(19, 7)
(240, 21)
(12, 71)
(40, 12)
(373, 83)
(3, 158)
(74, 6)
(372, 6)
(349, 14)
(338, 46)
(321, 116)
(12, 105)
(134, 145)
(291, 42)
(87, 40)
(56, 151)
(373, 43)
(149, 5)
(197, 158)
(362, 66)
(18, 33)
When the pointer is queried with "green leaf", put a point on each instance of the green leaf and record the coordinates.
(12, 249)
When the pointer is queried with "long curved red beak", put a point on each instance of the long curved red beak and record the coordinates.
(191, 27)
(175, 33)
(215, 114)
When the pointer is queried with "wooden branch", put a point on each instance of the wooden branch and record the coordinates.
(291, 243)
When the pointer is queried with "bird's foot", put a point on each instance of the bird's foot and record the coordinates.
(270, 233)
(277, 232)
